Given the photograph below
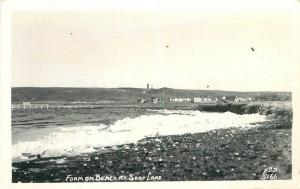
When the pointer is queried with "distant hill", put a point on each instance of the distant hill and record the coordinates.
(39, 94)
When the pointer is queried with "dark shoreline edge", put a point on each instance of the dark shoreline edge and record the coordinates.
(225, 154)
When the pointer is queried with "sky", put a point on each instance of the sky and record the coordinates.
(238, 50)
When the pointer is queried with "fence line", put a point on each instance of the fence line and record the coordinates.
(47, 106)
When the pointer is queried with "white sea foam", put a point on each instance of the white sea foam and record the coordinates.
(86, 138)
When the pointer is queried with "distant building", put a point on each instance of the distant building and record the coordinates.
(229, 98)
(197, 99)
(180, 99)
(154, 100)
(243, 99)
(141, 101)
(26, 103)
(205, 99)
(223, 98)
(173, 99)
(236, 99)
(214, 98)
(186, 99)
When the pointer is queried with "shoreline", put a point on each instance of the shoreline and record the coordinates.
(229, 154)
(223, 154)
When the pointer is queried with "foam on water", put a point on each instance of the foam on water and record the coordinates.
(86, 138)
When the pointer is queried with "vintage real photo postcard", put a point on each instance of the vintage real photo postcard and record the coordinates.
(138, 95)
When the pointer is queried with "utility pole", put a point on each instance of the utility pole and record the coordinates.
(163, 94)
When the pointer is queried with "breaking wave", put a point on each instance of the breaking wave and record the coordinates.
(75, 140)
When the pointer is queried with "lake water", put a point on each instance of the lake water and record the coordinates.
(51, 133)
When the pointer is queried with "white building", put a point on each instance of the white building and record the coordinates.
(26, 103)
(205, 99)
(180, 99)
(197, 99)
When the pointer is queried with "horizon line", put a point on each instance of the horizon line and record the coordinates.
(152, 88)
